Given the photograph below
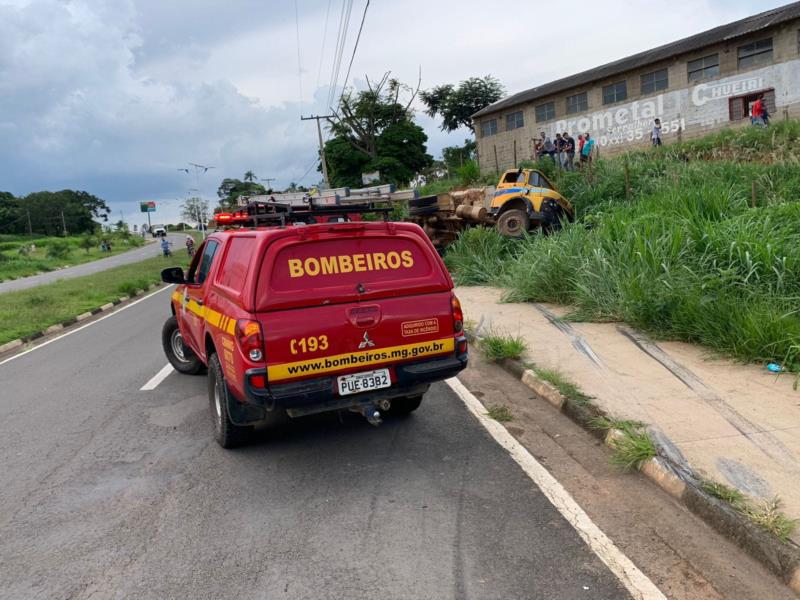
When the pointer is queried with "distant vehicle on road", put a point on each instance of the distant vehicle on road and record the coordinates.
(315, 312)
(158, 231)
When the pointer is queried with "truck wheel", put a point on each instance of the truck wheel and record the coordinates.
(405, 405)
(179, 354)
(513, 223)
(226, 433)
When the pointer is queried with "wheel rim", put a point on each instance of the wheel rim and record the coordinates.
(218, 400)
(512, 225)
(178, 349)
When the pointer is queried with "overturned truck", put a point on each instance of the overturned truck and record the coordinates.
(523, 200)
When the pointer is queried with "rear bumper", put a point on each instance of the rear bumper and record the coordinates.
(317, 395)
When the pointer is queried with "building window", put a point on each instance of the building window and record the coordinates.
(514, 120)
(708, 66)
(545, 112)
(577, 103)
(655, 81)
(757, 53)
(488, 127)
(616, 92)
(740, 106)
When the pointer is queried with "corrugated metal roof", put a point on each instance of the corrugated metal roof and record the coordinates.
(689, 44)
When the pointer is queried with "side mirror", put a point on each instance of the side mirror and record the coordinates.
(173, 275)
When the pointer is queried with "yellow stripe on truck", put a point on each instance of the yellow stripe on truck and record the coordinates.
(212, 317)
(362, 358)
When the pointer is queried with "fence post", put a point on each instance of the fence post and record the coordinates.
(496, 165)
(753, 194)
(515, 153)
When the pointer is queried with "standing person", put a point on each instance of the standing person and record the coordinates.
(570, 150)
(758, 112)
(189, 245)
(559, 142)
(537, 147)
(588, 147)
(549, 148)
(165, 246)
(655, 135)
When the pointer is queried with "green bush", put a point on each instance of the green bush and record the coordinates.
(469, 173)
(58, 249)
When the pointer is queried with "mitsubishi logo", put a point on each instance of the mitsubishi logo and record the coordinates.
(366, 342)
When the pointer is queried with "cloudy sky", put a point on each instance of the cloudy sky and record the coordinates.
(113, 96)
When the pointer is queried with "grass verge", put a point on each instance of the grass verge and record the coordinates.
(569, 390)
(498, 347)
(22, 256)
(26, 312)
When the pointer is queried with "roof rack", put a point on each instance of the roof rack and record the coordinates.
(261, 213)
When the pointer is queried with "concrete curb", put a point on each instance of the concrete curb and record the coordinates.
(680, 482)
(19, 342)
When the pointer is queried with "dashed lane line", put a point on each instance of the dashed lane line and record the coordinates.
(157, 378)
(636, 582)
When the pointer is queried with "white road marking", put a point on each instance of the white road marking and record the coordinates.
(157, 378)
(637, 583)
(76, 330)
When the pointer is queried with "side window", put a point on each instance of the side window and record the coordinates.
(209, 249)
(535, 180)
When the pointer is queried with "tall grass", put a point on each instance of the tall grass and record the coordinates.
(679, 248)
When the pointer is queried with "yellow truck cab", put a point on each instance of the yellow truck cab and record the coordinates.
(525, 199)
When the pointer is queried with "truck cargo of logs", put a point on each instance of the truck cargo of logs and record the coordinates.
(444, 216)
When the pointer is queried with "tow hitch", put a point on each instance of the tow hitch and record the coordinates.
(372, 411)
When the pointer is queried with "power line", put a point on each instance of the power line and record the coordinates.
(299, 68)
(358, 37)
(335, 52)
(324, 39)
(347, 6)
(344, 43)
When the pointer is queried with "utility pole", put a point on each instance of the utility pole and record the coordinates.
(197, 169)
(64, 223)
(321, 146)
(268, 179)
(30, 229)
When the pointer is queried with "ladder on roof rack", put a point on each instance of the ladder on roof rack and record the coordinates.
(260, 212)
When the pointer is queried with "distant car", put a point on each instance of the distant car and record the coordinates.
(158, 231)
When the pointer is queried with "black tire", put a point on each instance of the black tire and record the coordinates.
(179, 354)
(513, 223)
(226, 433)
(421, 212)
(423, 202)
(405, 405)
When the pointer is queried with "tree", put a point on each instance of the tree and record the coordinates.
(454, 157)
(50, 212)
(456, 105)
(249, 176)
(374, 131)
(87, 242)
(230, 190)
(195, 210)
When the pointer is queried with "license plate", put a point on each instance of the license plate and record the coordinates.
(363, 382)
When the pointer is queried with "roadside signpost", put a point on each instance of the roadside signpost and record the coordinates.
(147, 207)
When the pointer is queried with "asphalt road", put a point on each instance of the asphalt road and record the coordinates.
(126, 258)
(109, 491)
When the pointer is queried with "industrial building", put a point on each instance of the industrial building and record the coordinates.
(694, 86)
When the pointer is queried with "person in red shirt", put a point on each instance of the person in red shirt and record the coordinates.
(757, 111)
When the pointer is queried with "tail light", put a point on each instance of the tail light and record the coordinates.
(248, 335)
(223, 217)
(458, 314)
